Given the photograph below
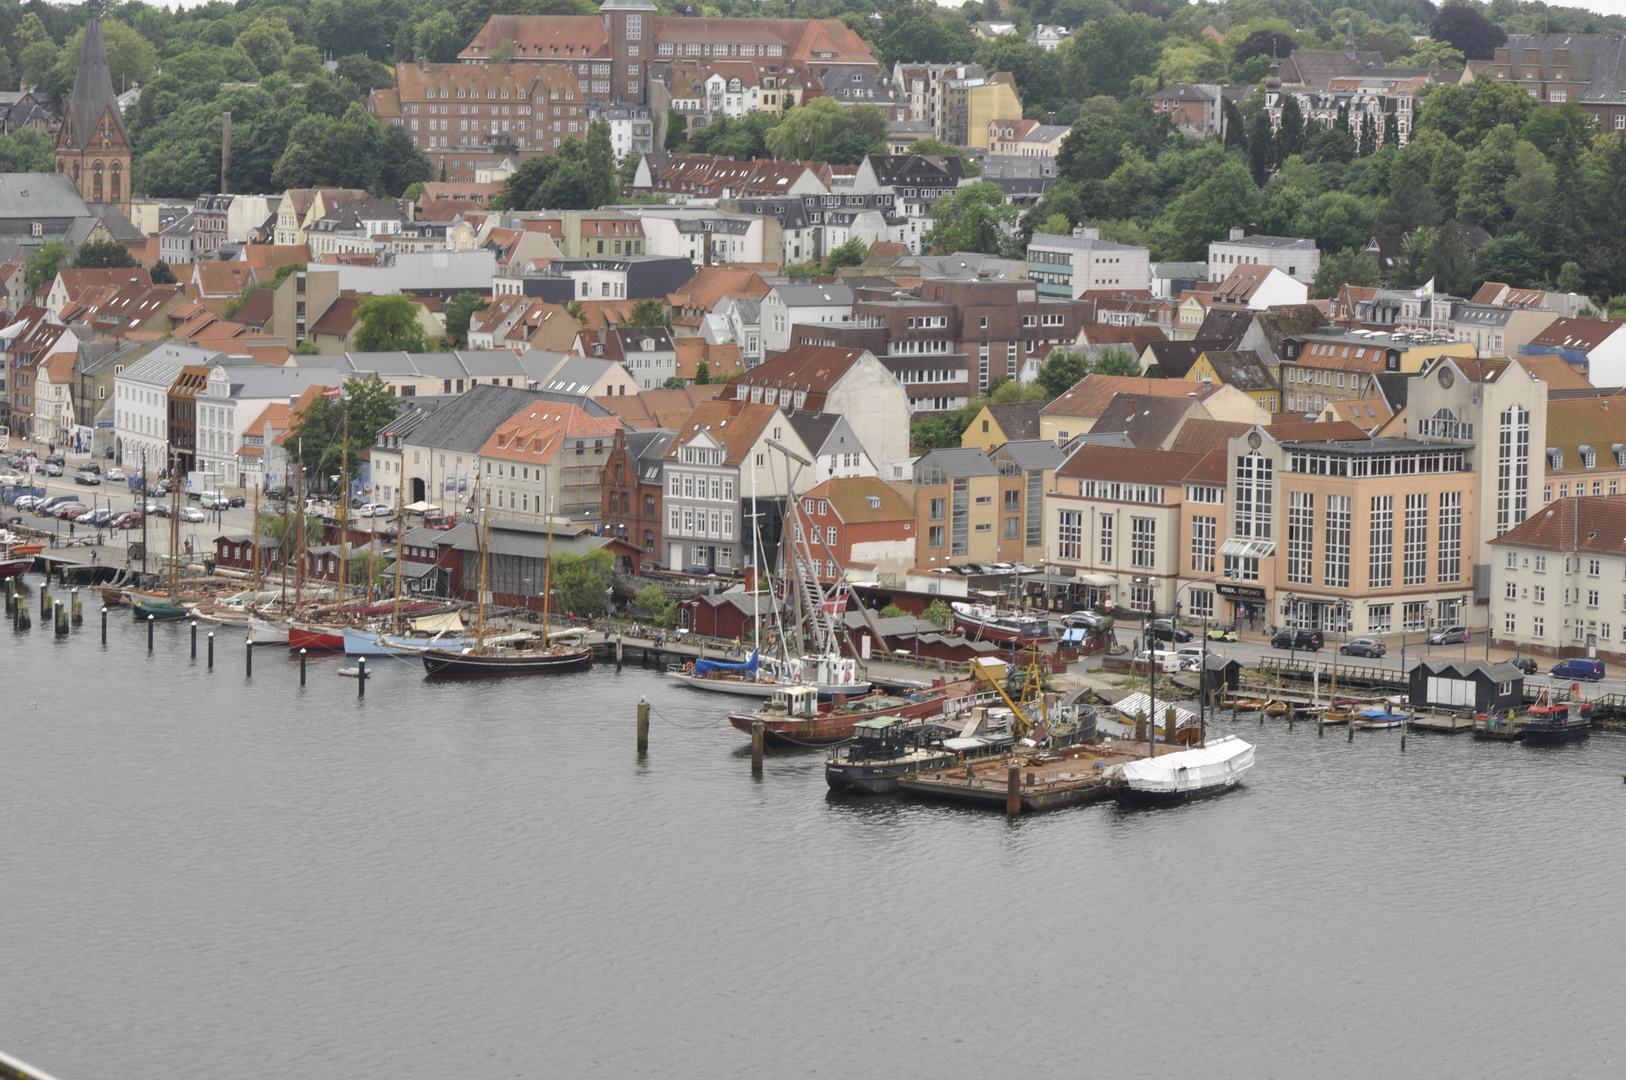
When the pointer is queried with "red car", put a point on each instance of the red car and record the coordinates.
(130, 519)
(83, 511)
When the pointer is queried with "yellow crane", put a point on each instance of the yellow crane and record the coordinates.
(1032, 691)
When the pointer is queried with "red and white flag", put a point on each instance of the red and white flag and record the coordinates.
(337, 391)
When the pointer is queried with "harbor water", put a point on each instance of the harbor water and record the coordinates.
(208, 876)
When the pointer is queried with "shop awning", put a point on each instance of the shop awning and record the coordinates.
(1101, 580)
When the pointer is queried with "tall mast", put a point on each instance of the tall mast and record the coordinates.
(400, 534)
(547, 574)
(756, 559)
(174, 514)
(299, 529)
(256, 544)
(480, 608)
(344, 508)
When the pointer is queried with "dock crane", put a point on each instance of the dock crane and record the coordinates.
(1032, 691)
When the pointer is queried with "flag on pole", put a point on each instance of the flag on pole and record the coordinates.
(338, 391)
(1426, 290)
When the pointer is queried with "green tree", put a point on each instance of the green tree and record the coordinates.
(940, 613)
(1061, 370)
(1411, 202)
(652, 605)
(702, 374)
(823, 130)
(1482, 194)
(1290, 133)
(1207, 213)
(1261, 148)
(650, 311)
(581, 582)
(851, 253)
(438, 39)
(460, 312)
(162, 274)
(1513, 259)
(1108, 53)
(923, 34)
(27, 150)
(400, 163)
(274, 527)
(1056, 225)
(1340, 268)
(389, 323)
(104, 254)
(1114, 361)
(367, 403)
(974, 218)
(42, 266)
(1569, 278)
(267, 41)
(673, 383)
(36, 61)
(131, 60)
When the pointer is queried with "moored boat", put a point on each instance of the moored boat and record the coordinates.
(267, 631)
(760, 676)
(794, 716)
(1557, 722)
(1187, 774)
(525, 657)
(1378, 719)
(314, 637)
(985, 622)
(881, 750)
(159, 609)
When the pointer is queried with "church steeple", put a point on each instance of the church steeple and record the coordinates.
(93, 146)
(1349, 40)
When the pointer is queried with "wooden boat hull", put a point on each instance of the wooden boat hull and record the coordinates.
(837, 725)
(15, 567)
(445, 664)
(159, 610)
(315, 638)
(267, 632)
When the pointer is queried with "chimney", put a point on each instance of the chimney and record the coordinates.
(1238, 234)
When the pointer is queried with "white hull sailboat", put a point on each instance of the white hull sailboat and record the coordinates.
(1187, 774)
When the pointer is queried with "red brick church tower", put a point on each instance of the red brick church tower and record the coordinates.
(93, 146)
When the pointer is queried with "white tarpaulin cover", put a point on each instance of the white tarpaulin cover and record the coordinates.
(434, 624)
(1219, 764)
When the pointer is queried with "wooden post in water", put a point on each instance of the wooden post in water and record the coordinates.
(61, 617)
(149, 633)
(618, 646)
(211, 650)
(1405, 726)
(361, 676)
(758, 736)
(45, 598)
(248, 659)
(194, 639)
(301, 667)
(1013, 791)
(643, 727)
(1321, 722)
(104, 624)
(1350, 723)
(78, 611)
(1169, 723)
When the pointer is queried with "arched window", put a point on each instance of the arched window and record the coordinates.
(118, 181)
(96, 183)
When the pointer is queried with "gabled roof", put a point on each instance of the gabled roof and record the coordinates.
(652, 409)
(1596, 422)
(1243, 369)
(1199, 436)
(1018, 419)
(1029, 454)
(1580, 334)
(862, 500)
(339, 318)
(1594, 524)
(1555, 371)
(1089, 396)
(712, 283)
(815, 369)
(958, 462)
(540, 429)
(1243, 282)
(1227, 325)
(722, 361)
(1149, 421)
(1173, 359)
(735, 425)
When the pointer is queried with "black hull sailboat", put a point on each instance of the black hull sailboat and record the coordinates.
(471, 664)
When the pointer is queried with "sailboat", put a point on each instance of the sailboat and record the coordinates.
(527, 654)
(827, 670)
(165, 607)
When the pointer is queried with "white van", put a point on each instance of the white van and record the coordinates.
(212, 499)
(1165, 660)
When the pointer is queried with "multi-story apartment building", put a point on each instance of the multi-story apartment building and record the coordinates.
(1559, 68)
(949, 340)
(955, 491)
(857, 527)
(1070, 266)
(721, 476)
(1299, 259)
(632, 488)
(1556, 582)
(549, 457)
(850, 382)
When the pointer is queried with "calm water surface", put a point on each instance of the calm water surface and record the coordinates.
(204, 880)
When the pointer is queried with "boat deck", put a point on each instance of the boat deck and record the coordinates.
(1076, 775)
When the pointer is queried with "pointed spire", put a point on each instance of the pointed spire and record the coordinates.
(1349, 39)
(93, 86)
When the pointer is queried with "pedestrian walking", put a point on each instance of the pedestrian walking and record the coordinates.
(70, 530)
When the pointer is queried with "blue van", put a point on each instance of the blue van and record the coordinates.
(1577, 668)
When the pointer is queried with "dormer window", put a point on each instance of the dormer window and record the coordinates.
(1589, 457)
(1555, 459)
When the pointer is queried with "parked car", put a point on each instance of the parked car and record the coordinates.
(1577, 667)
(78, 513)
(1450, 635)
(28, 502)
(51, 502)
(1087, 620)
(276, 508)
(1524, 664)
(52, 469)
(1165, 630)
(238, 500)
(62, 510)
(158, 509)
(375, 510)
(1222, 632)
(114, 474)
(1166, 660)
(1363, 646)
(1308, 640)
(100, 518)
(193, 514)
(11, 479)
(56, 459)
(87, 477)
(130, 519)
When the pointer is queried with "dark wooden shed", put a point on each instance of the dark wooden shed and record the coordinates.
(1448, 683)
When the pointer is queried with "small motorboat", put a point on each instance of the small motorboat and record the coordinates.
(1557, 722)
(1378, 719)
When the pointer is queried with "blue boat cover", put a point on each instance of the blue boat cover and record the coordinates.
(706, 667)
